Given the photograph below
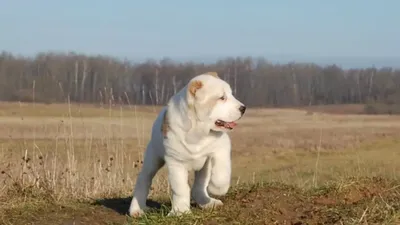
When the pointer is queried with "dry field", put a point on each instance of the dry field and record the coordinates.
(76, 164)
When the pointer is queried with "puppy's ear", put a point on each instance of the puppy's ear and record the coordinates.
(214, 74)
(193, 87)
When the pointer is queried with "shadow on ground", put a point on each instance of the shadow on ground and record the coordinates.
(121, 205)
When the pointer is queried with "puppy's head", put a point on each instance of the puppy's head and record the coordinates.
(212, 101)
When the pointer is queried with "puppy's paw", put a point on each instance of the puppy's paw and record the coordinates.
(136, 213)
(179, 212)
(213, 203)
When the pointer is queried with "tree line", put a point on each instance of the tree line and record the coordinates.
(58, 77)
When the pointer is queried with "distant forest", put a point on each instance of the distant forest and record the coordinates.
(55, 77)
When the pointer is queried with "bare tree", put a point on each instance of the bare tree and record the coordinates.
(50, 77)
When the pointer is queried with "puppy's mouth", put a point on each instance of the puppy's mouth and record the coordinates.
(224, 124)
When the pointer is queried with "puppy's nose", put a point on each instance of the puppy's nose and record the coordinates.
(242, 109)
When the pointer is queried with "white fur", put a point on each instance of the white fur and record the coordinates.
(193, 142)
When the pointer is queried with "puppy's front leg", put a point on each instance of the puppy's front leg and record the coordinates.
(178, 180)
(221, 169)
(199, 189)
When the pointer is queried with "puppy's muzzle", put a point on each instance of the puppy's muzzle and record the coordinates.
(242, 109)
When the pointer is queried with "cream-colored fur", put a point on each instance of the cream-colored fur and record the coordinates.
(185, 137)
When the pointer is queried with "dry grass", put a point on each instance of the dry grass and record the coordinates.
(56, 155)
(337, 109)
(20, 109)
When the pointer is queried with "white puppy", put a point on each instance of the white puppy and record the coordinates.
(190, 134)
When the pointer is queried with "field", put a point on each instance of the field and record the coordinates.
(77, 164)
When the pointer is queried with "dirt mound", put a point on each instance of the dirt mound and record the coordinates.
(369, 200)
(372, 201)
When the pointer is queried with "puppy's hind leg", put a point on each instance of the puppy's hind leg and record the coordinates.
(199, 190)
(151, 164)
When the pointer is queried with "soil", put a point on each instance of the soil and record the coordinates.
(372, 201)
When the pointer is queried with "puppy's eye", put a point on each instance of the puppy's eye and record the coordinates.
(222, 98)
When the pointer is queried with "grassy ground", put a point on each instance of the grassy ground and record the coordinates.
(70, 164)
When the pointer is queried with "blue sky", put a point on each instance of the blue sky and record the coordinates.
(280, 29)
